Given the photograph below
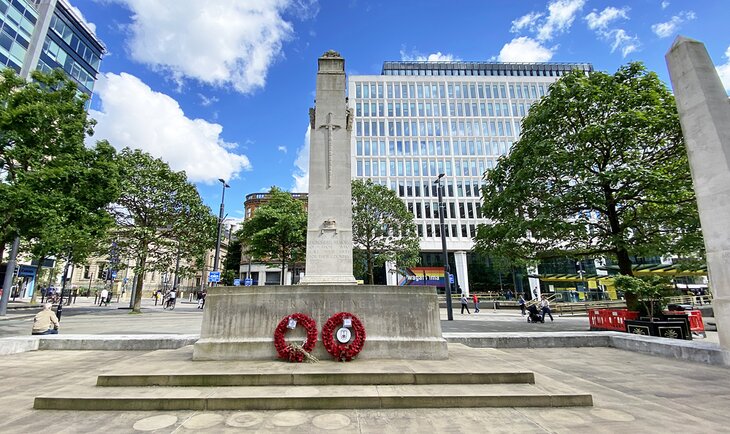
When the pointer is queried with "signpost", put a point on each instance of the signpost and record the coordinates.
(236, 282)
(247, 281)
(214, 276)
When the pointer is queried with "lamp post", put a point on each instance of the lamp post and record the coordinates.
(447, 283)
(220, 227)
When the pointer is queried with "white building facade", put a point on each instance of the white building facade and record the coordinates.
(420, 119)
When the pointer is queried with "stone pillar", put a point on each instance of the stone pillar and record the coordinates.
(704, 113)
(462, 272)
(329, 212)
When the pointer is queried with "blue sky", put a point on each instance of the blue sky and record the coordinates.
(221, 88)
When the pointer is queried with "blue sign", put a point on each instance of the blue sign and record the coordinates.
(451, 278)
(247, 281)
(236, 282)
(26, 271)
(114, 274)
(214, 276)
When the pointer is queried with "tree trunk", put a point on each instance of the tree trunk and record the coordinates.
(625, 267)
(34, 297)
(283, 265)
(371, 276)
(141, 263)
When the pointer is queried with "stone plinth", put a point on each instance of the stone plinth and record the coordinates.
(400, 322)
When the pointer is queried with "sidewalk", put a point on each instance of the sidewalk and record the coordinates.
(631, 393)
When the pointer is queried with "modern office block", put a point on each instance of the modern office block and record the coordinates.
(420, 119)
(45, 35)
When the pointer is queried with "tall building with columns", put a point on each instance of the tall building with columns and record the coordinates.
(417, 120)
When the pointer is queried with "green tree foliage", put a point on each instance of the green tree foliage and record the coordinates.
(158, 214)
(649, 291)
(600, 169)
(232, 264)
(277, 231)
(382, 228)
(54, 191)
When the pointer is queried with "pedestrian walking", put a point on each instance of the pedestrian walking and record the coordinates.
(103, 297)
(545, 305)
(464, 304)
(521, 302)
(201, 299)
(475, 299)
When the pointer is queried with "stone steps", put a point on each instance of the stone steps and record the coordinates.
(158, 398)
(313, 378)
(169, 380)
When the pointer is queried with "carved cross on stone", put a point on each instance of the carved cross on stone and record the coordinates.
(330, 128)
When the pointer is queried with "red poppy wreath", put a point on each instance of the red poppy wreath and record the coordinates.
(295, 352)
(346, 346)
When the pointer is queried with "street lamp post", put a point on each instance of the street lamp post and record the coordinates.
(220, 227)
(447, 270)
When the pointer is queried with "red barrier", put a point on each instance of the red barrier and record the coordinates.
(696, 325)
(610, 319)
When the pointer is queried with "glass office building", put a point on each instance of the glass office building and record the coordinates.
(45, 35)
(420, 119)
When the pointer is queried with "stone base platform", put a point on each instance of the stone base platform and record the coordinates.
(400, 322)
(178, 383)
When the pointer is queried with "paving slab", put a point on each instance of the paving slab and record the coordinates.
(632, 392)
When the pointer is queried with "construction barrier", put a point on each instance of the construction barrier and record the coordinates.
(610, 319)
(696, 325)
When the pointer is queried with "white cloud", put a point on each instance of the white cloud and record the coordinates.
(226, 43)
(526, 21)
(525, 49)
(724, 71)
(282, 148)
(433, 57)
(561, 16)
(624, 42)
(600, 21)
(301, 169)
(619, 38)
(205, 101)
(668, 28)
(81, 17)
(665, 4)
(133, 115)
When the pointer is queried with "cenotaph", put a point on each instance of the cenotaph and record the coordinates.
(401, 322)
(704, 113)
(329, 213)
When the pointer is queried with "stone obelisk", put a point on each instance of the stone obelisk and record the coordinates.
(704, 113)
(329, 223)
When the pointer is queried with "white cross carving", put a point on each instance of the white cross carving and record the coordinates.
(330, 128)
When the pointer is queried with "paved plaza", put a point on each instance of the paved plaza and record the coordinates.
(631, 391)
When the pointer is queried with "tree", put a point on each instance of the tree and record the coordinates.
(277, 230)
(54, 190)
(382, 228)
(232, 264)
(650, 292)
(600, 169)
(159, 215)
(77, 189)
